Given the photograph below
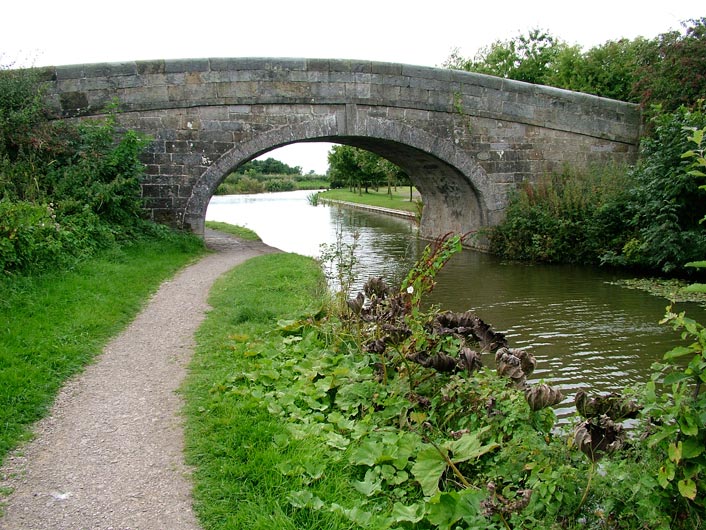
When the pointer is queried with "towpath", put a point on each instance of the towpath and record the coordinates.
(110, 454)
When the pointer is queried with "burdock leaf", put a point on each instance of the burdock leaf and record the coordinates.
(428, 469)
(687, 488)
(674, 452)
(691, 448)
(370, 486)
(304, 499)
(413, 513)
(542, 395)
(367, 453)
(469, 446)
(355, 514)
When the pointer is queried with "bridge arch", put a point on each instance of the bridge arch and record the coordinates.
(454, 188)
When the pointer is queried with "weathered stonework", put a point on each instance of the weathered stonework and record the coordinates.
(465, 139)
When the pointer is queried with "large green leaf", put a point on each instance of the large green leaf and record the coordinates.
(687, 488)
(692, 448)
(428, 469)
(449, 507)
(695, 288)
(699, 264)
(469, 446)
(679, 351)
(412, 514)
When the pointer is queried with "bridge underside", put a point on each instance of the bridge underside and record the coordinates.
(454, 187)
(451, 202)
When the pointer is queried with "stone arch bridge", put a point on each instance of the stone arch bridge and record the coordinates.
(465, 139)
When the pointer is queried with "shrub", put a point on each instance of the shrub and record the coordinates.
(66, 188)
(571, 217)
(666, 204)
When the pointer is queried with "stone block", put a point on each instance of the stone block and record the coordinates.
(150, 67)
(186, 65)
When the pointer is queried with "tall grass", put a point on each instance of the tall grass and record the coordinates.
(52, 325)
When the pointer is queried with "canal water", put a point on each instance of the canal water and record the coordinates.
(584, 330)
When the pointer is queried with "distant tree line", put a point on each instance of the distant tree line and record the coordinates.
(668, 70)
(269, 175)
(269, 166)
(358, 169)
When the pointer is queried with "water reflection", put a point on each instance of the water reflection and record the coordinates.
(584, 331)
(386, 246)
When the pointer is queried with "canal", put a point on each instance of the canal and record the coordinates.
(584, 330)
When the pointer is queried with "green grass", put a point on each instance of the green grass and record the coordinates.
(246, 461)
(236, 230)
(52, 325)
(312, 183)
(399, 200)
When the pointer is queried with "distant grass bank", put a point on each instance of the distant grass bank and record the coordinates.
(236, 230)
(399, 200)
(52, 325)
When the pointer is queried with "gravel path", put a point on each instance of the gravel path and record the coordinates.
(109, 456)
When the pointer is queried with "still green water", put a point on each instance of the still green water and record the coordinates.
(584, 330)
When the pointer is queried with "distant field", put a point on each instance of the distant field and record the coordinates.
(399, 200)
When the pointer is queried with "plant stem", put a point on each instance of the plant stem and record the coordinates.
(588, 487)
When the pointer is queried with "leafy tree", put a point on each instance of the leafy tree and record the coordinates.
(529, 58)
(269, 166)
(667, 204)
(677, 75)
(358, 168)
(609, 70)
(669, 69)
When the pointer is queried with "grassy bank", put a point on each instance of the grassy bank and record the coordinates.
(52, 325)
(247, 463)
(399, 200)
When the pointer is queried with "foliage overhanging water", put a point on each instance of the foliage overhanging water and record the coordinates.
(584, 330)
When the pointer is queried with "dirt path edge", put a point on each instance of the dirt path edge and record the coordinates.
(110, 454)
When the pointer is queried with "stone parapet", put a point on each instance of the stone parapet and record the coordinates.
(149, 85)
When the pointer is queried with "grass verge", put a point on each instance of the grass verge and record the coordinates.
(52, 325)
(247, 462)
(399, 200)
(236, 230)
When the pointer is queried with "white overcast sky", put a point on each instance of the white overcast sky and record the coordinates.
(54, 32)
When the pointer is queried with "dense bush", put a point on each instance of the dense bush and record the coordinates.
(571, 217)
(665, 208)
(646, 218)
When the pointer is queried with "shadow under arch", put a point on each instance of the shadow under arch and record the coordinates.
(455, 189)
